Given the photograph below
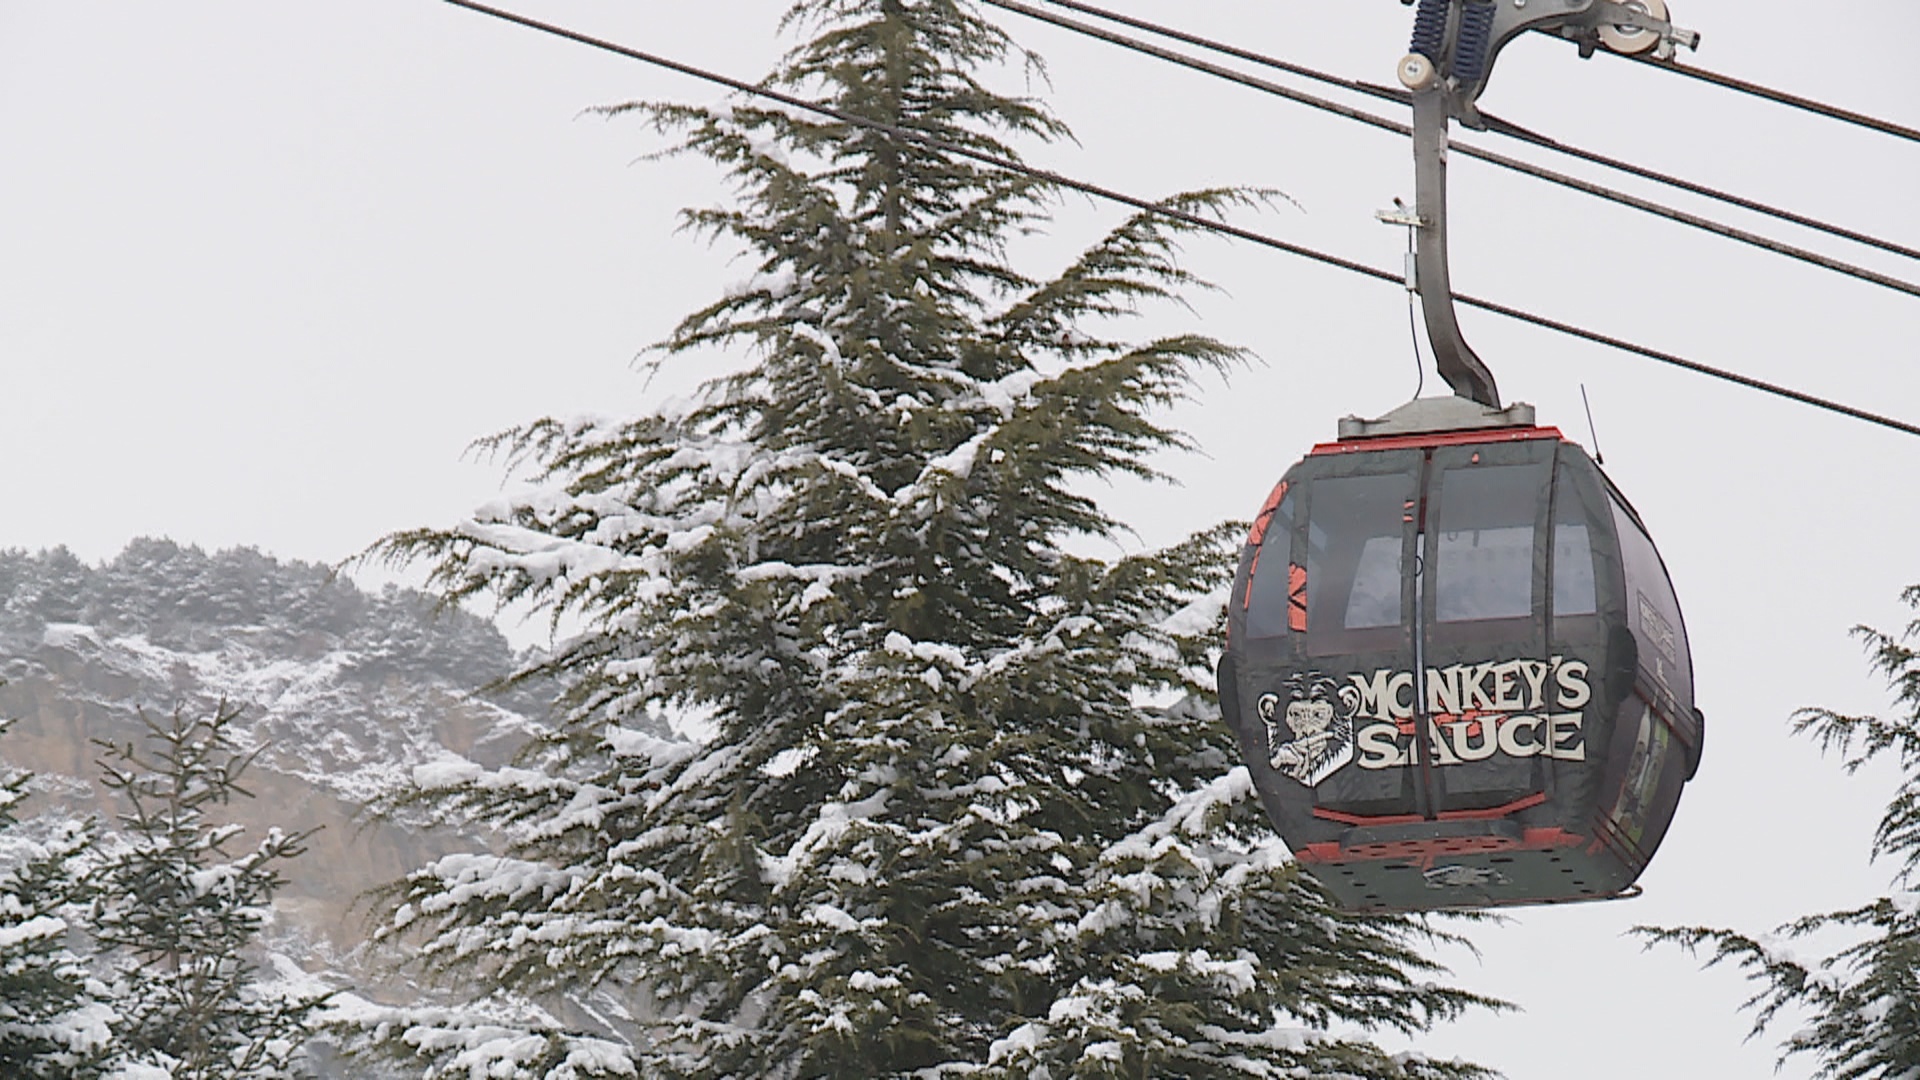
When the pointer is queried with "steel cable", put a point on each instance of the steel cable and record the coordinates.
(1494, 124)
(1781, 97)
(1470, 150)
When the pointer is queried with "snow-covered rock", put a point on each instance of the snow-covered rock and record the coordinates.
(345, 693)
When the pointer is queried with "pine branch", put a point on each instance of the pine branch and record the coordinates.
(1864, 998)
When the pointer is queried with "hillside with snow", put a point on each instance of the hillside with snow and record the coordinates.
(345, 693)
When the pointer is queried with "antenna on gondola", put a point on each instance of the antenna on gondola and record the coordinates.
(1446, 69)
(1592, 432)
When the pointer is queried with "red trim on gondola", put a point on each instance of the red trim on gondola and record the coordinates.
(1361, 819)
(1442, 438)
(1489, 814)
(1325, 852)
(1424, 851)
(1258, 534)
(1492, 812)
(1296, 598)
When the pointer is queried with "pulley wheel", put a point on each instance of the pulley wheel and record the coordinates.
(1634, 39)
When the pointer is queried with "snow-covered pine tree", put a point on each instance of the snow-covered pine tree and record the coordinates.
(940, 820)
(174, 913)
(53, 1019)
(1856, 1010)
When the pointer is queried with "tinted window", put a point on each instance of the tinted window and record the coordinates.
(1484, 542)
(1485, 574)
(1573, 591)
(1375, 600)
(1267, 595)
(1355, 530)
(1582, 527)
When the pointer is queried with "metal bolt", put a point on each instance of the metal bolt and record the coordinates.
(1519, 3)
(1417, 72)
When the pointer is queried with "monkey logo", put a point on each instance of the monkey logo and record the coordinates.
(1312, 738)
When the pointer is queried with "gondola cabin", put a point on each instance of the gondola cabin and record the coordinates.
(1456, 666)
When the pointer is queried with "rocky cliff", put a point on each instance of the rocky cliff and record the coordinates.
(345, 693)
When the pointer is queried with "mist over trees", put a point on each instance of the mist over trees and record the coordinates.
(154, 918)
(182, 598)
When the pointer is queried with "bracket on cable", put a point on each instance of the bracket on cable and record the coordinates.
(1454, 46)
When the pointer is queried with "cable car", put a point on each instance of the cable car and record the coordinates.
(1456, 666)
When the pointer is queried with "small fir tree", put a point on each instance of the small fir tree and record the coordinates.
(54, 1019)
(176, 912)
(1861, 1002)
(944, 821)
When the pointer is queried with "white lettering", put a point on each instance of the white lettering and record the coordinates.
(1565, 740)
(1507, 694)
(1380, 747)
(1443, 690)
(1380, 696)
(1572, 677)
(1383, 745)
(1536, 676)
(1473, 689)
(1462, 730)
(1403, 681)
(1510, 730)
(1473, 712)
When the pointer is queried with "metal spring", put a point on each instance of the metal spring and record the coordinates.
(1470, 49)
(1430, 29)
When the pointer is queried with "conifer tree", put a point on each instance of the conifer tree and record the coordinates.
(174, 913)
(53, 1016)
(1858, 1006)
(943, 820)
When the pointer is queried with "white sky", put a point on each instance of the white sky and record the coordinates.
(265, 269)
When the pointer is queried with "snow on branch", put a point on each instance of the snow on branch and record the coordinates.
(492, 1039)
(1193, 814)
(459, 880)
(822, 835)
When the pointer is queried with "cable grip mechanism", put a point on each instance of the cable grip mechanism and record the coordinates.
(1455, 42)
(1448, 62)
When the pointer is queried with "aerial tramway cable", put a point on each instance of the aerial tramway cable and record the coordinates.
(1818, 108)
(1781, 97)
(1173, 214)
(1494, 124)
(1469, 150)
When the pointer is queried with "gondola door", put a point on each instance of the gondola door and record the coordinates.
(1357, 544)
(1490, 719)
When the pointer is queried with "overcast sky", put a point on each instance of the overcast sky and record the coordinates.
(266, 269)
